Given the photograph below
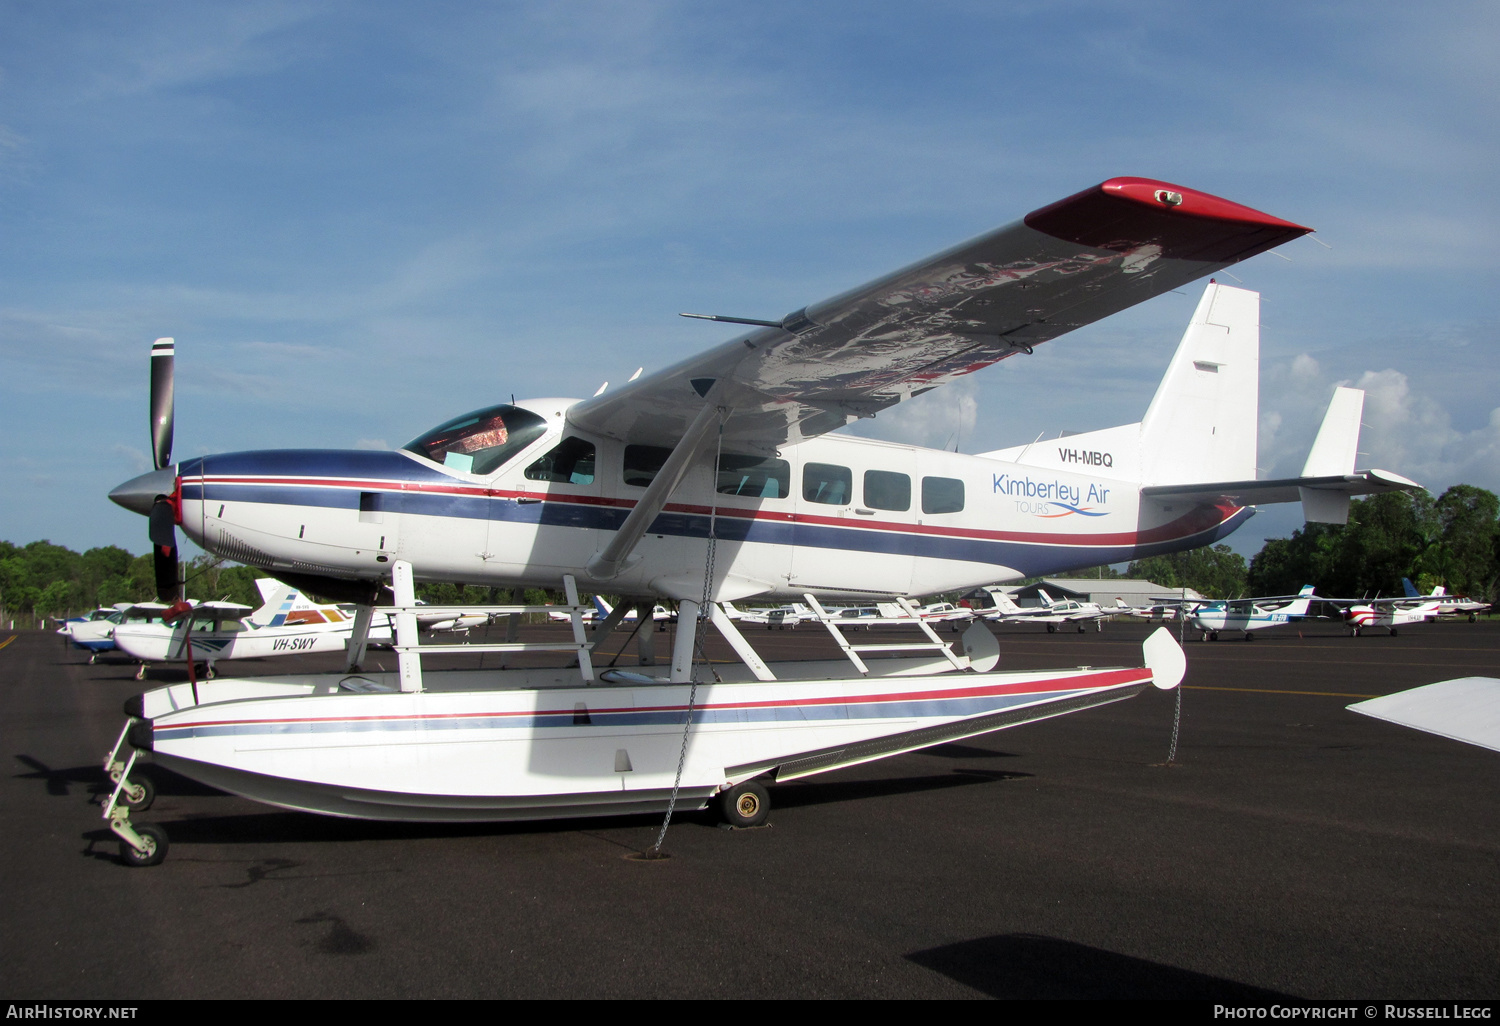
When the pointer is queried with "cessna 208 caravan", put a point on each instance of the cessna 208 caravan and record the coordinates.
(717, 480)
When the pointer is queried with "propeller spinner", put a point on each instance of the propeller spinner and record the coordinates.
(155, 495)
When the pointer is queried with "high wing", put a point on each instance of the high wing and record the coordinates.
(1057, 269)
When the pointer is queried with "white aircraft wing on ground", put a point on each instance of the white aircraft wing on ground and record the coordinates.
(1465, 709)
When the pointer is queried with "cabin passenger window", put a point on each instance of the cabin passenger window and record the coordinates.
(643, 463)
(887, 490)
(572, 462)
(942, 495)
(754, 476)
(826, 483)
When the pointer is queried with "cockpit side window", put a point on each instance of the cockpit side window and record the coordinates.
(643, 463)
(571, 462)
(479, 442)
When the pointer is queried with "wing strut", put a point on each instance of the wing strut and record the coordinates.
(615, 557)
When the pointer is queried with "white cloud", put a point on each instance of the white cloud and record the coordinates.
(1405, 430)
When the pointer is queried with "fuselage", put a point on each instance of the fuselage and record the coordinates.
(834, 516)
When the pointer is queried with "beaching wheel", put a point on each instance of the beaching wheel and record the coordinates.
(156, 847)
(142, 786)
(745, 805)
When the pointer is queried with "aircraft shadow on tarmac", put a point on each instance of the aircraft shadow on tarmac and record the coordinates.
(1027, 966)
(59, 782)
(826, 792)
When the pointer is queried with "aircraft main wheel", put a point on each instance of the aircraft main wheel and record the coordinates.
(145, 788)
(140, 674)
(745, 805)
(1052, 628)
(1249, 636)
(156, 847)
(1393, 632)
(1081, 628)
(1098, 625)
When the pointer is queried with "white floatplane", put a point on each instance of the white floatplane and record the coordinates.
(717, 480)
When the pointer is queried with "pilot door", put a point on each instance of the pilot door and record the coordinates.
(545, 514)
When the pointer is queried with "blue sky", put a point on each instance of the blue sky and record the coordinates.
(360, 219)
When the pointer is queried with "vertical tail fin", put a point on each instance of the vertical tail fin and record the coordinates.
(1202, 424)
(1333, 454)
(278, 600)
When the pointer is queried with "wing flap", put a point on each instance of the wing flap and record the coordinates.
(1061, 267)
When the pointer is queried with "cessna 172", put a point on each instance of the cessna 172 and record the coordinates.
(716, 480)
(287, 623)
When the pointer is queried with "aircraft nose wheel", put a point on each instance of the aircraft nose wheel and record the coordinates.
(153, 850)
(745, 805)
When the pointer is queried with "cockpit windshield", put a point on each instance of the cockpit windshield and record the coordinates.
(478, 442)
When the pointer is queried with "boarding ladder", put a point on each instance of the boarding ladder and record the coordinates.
(932, 644)
(409, 648)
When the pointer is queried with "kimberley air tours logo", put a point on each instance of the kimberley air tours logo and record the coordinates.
(1052, 499)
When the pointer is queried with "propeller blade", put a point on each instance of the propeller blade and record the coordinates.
(163, 532)
(164, 561)
(162, 357)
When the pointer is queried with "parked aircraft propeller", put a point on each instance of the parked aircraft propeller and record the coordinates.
(164, 510)
(156, 495)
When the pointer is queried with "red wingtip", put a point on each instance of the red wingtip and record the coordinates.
(1190, 202)
(1123, 213)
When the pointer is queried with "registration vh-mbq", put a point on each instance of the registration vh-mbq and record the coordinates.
(715, 481)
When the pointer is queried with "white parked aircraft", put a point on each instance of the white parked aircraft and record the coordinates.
(1052, 612)
(602, 611)
(771, 617)
(287, 623)
(1448, 605)
(718, 478)
(1250, 614)
(97, 634)
(1391, 613)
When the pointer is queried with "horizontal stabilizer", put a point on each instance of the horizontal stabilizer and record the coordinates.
(1290, 489)
(1466, 709)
